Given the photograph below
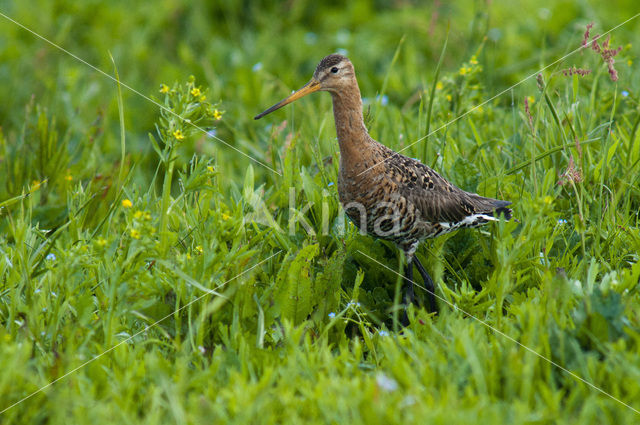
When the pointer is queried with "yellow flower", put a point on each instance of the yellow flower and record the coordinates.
(101, 242)
(199, 249)
(138, 214)
(531, 99)
(68, 177)
(217, 114)
(473, 60)
(203, 98)
(629, 62)
(195, 92)
(439, 85)
(210, 168)
(225, 216)
(126, 203)
(147, 216)
(548, 199)
(35, 185)
(449, 97)
(464, 70)
(178, 135)
(188, 256)
(164, 88)
(135, 234)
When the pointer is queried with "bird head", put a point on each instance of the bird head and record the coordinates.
(333, 73)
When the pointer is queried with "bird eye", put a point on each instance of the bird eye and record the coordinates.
(334, 69)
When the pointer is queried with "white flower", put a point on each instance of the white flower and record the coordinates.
(385, 383)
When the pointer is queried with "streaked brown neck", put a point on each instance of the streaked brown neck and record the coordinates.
(353, 136)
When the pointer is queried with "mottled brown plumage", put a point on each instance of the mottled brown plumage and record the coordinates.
(388, 194)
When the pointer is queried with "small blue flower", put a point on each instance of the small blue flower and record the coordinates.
(212, 133)
(51, 256)
(384, 99)
(383, 333)
(257, 67)
(624, 93)
(342, 37)
(330, 184)
(543, 260)
(310, 38)
(562, 221)
(332, 315)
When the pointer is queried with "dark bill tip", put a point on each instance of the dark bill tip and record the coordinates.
(310, 87)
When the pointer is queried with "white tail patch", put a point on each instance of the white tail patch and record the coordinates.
(477, 219)
(469, 221)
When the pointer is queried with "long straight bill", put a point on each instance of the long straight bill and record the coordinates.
(310, 87)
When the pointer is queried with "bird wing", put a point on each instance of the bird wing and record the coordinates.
(437, 200)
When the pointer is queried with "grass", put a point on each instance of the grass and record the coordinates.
(156, 275)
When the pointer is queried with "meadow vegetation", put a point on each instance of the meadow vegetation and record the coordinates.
(165, 258)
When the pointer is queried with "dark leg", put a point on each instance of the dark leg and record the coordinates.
(408, 277)
(409, 296)
(428, 284)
